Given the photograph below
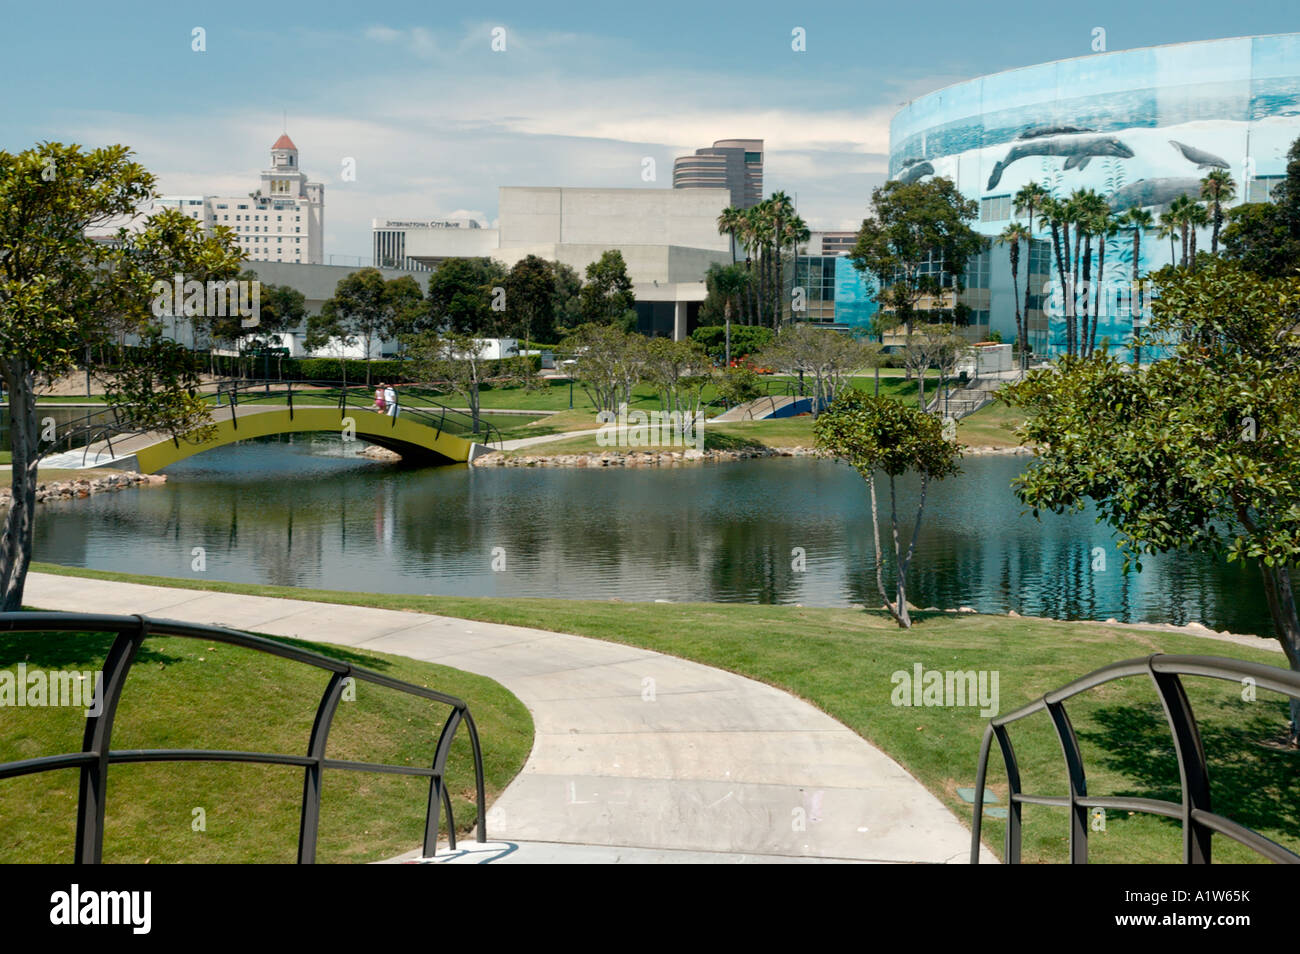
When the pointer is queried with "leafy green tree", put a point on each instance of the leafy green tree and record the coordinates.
(1196, 451)
(365, 310)
(63, 293)
(745, 340)
(607, 297)
(530, 300)
(460, 296)
(568, 298)
(879, 434)
(911, 226)
(936, 346)
(1265, 236)
(405, 310)
(738, 385)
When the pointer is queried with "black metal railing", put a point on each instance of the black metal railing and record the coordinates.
(97, 753)
(1199, 822)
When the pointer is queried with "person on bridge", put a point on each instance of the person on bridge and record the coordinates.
(380, 404)
(390, 398)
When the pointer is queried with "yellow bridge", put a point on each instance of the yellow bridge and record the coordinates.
(418, 434)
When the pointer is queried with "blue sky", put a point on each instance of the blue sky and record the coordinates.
(436, 120)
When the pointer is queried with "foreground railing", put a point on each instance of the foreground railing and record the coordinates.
(1198, 821)
(97, 754)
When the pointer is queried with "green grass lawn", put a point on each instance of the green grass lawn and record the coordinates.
(184, 693)
(992, 426)
(842, 661)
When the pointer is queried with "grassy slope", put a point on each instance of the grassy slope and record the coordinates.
(185, 693)
(842, 661)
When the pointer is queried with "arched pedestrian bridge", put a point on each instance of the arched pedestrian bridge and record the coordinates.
(422, 432)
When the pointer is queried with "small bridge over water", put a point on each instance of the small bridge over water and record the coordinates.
(423, 431)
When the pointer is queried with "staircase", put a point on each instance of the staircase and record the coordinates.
(967, 400)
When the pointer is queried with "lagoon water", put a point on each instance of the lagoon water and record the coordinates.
(305, 511)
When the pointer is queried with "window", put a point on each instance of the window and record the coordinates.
(241, 206)
(995, 208)
(223, 206)
(1261, 188)
(753, 157)
(977, 270)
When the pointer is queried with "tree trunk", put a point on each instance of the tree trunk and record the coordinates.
(900, 590)
(1060, 272)
(875, 533)
(1029, 261)
(1096, 298)
(24, 437)
(1282, 606)
(1133, 294)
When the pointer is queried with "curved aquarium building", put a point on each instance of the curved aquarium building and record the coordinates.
(1140, 127)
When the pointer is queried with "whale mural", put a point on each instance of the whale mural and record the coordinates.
(1147, 193)
(1203, 159)
(1078, 150)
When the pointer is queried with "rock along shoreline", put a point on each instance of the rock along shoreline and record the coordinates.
(86, 486)
(652, 458)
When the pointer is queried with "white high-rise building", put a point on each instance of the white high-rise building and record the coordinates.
(283, 221)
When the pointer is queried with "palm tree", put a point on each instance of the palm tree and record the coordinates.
(1139, 220)
(729, 282)
(782, 210)
(1013, 235)
(729, 223)
(1217, 189)
(1198, 217)
(1091, 215)
(1106, 225)
(1181, 214)
(1053, 213)
(1169, 229)
(796, 231)
(1028, 200)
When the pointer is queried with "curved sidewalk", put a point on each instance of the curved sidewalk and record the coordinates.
(633, 748)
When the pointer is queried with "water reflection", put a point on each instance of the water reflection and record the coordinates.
(302, 511)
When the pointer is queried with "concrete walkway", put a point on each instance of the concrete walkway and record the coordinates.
(633, 748)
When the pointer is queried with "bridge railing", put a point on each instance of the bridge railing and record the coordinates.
(1199, 821)
(97, 753)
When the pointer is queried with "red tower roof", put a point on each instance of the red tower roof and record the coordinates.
(284, 142)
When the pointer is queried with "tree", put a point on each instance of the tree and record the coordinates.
(875, 433)
(911, 227)
(452, 359)
(354, 315)
(530, 300)
(1217, 189)
(1029, 200)
(828, 356)
(365, 310)
(730, 222)
(62, 293)
(679, 370)
(568, 298)
(725, 284)
(1195, 451)
(1265, 236)
(609, 363)
(746, 340)
(1012, 236)
(607, 297)
(1139, 220)
(461, 293)
(933, 346)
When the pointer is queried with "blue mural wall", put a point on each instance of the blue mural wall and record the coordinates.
(1141, 127)
(855, 303)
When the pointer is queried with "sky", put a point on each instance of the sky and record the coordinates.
(435, 120)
